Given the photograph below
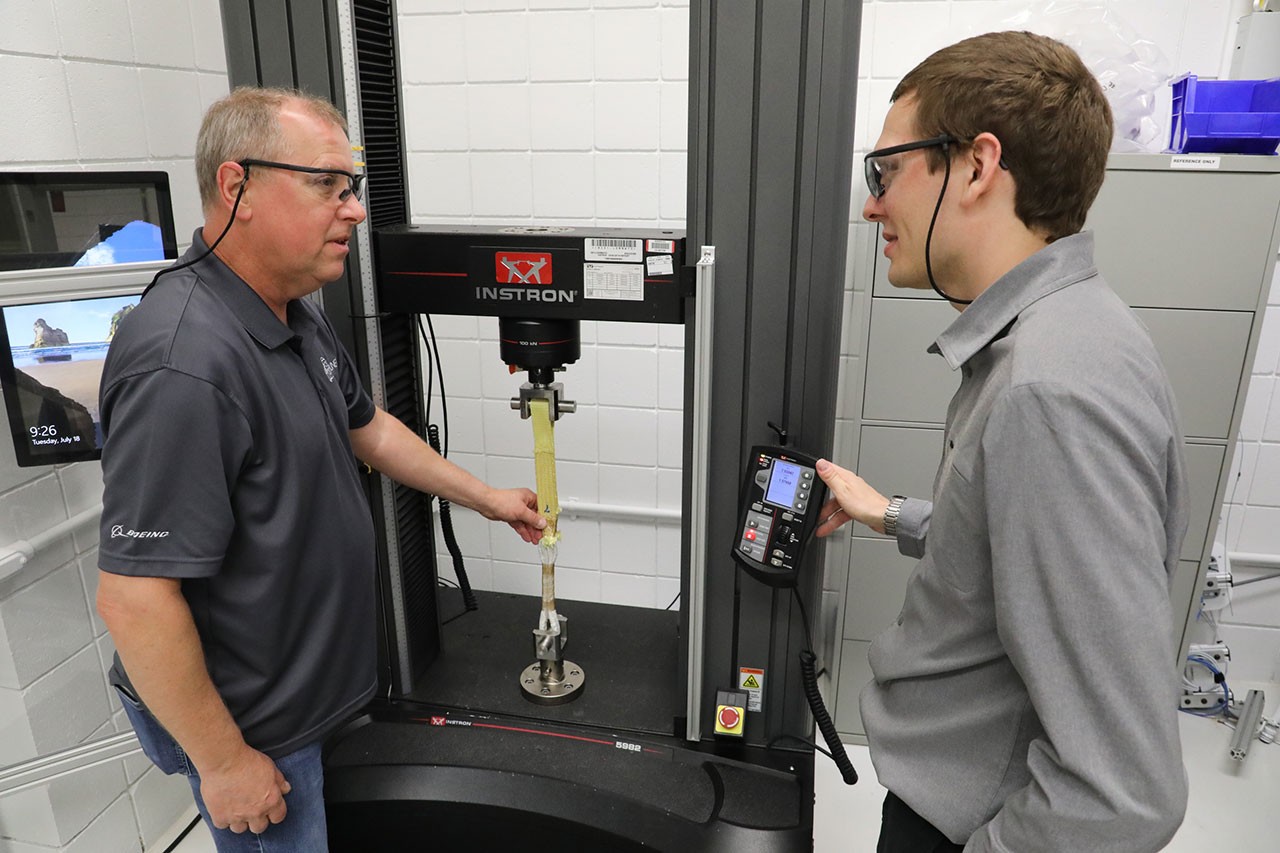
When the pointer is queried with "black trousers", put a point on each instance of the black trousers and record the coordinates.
(904, 831)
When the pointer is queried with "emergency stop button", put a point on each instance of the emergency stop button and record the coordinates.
(731, 712)
(729, 720)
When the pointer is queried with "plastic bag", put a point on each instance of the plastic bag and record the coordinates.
(1131, 70)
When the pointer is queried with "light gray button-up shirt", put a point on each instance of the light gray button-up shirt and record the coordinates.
(1026, 697)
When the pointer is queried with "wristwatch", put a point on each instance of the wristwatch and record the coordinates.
(891, 513)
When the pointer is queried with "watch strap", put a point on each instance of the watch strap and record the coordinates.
(891, 513)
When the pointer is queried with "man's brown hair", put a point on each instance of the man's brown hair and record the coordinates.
(246, 125)
(1038, 98)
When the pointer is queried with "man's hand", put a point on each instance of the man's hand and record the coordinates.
(851, 498)
(247, 793)
(517, 507)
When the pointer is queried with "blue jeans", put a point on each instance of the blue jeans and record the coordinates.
(303, 828)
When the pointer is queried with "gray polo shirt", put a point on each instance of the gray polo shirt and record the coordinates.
(1026, 694)
(228, 464)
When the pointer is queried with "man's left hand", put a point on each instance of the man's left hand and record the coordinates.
(517, 507)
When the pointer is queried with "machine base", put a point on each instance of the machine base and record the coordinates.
(465, 763)
(413, 777)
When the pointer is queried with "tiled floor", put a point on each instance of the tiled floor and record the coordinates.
(1234, 805)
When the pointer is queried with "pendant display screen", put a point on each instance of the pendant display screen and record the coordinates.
(782, 483)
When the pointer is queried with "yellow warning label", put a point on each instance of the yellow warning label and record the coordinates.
(751, 679)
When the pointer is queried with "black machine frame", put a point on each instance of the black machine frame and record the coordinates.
(771, 99)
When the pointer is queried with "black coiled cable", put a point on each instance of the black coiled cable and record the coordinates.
(809, 678)
(451, 541)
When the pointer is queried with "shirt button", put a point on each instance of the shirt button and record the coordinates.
(899, 620)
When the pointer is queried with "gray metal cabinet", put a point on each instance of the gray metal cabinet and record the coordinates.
(1191, 250)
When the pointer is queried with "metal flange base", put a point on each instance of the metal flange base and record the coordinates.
(542, 691)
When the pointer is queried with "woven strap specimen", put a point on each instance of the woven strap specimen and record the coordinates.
(544, 460)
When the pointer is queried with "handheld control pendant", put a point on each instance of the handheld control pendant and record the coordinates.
(778, 511)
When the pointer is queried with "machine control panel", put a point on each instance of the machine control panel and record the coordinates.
(778, 511)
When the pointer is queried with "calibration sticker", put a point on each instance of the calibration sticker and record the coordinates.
(613, 281)
(752, 681)
(660, 264)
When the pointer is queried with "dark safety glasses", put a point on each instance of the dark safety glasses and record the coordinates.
(338, 192)
(875, 167)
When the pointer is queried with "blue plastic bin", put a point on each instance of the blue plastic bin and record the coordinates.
(1225, 116)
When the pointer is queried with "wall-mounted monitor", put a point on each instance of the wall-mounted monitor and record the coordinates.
(51, 357)
(68, 219)
(63, 237)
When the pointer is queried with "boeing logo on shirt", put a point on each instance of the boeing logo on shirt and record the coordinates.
(330, 367)
(118, 531)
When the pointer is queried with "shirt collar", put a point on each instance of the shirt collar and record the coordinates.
(1062, 263)
(259, 320)
(243, 301)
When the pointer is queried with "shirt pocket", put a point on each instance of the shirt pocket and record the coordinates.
(958, 531)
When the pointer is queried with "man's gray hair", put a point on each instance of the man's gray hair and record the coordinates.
(246, 125)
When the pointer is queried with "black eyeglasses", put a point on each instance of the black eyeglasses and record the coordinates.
(875, 172)
(355, 182)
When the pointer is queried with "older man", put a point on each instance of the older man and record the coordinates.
(237, 551)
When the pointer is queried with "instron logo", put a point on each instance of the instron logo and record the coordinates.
(437, 721)
(522, 267)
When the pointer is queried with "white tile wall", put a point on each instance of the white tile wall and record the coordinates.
(431, 49)
(563, 186)
(28, 816)
(628, 44)
(162, 33)
(210, 48)
(171, 103)
(158, 799)
(627, 188)
(497, 48)
(112, 84)
(99, 30)
(115, 829)
(564, 46)
(36, 89)
(30, 28)
(44, 624)
(562, 117)
(498, 117)
(575, 114)
(100, 95)
(78, 800)
(501, 185)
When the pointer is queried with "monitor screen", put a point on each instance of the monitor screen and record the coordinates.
(51, 359)
(70, 219)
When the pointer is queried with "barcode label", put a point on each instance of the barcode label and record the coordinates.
(613, 249)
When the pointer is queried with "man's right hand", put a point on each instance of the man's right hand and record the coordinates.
(852, 498)
(246, 793)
